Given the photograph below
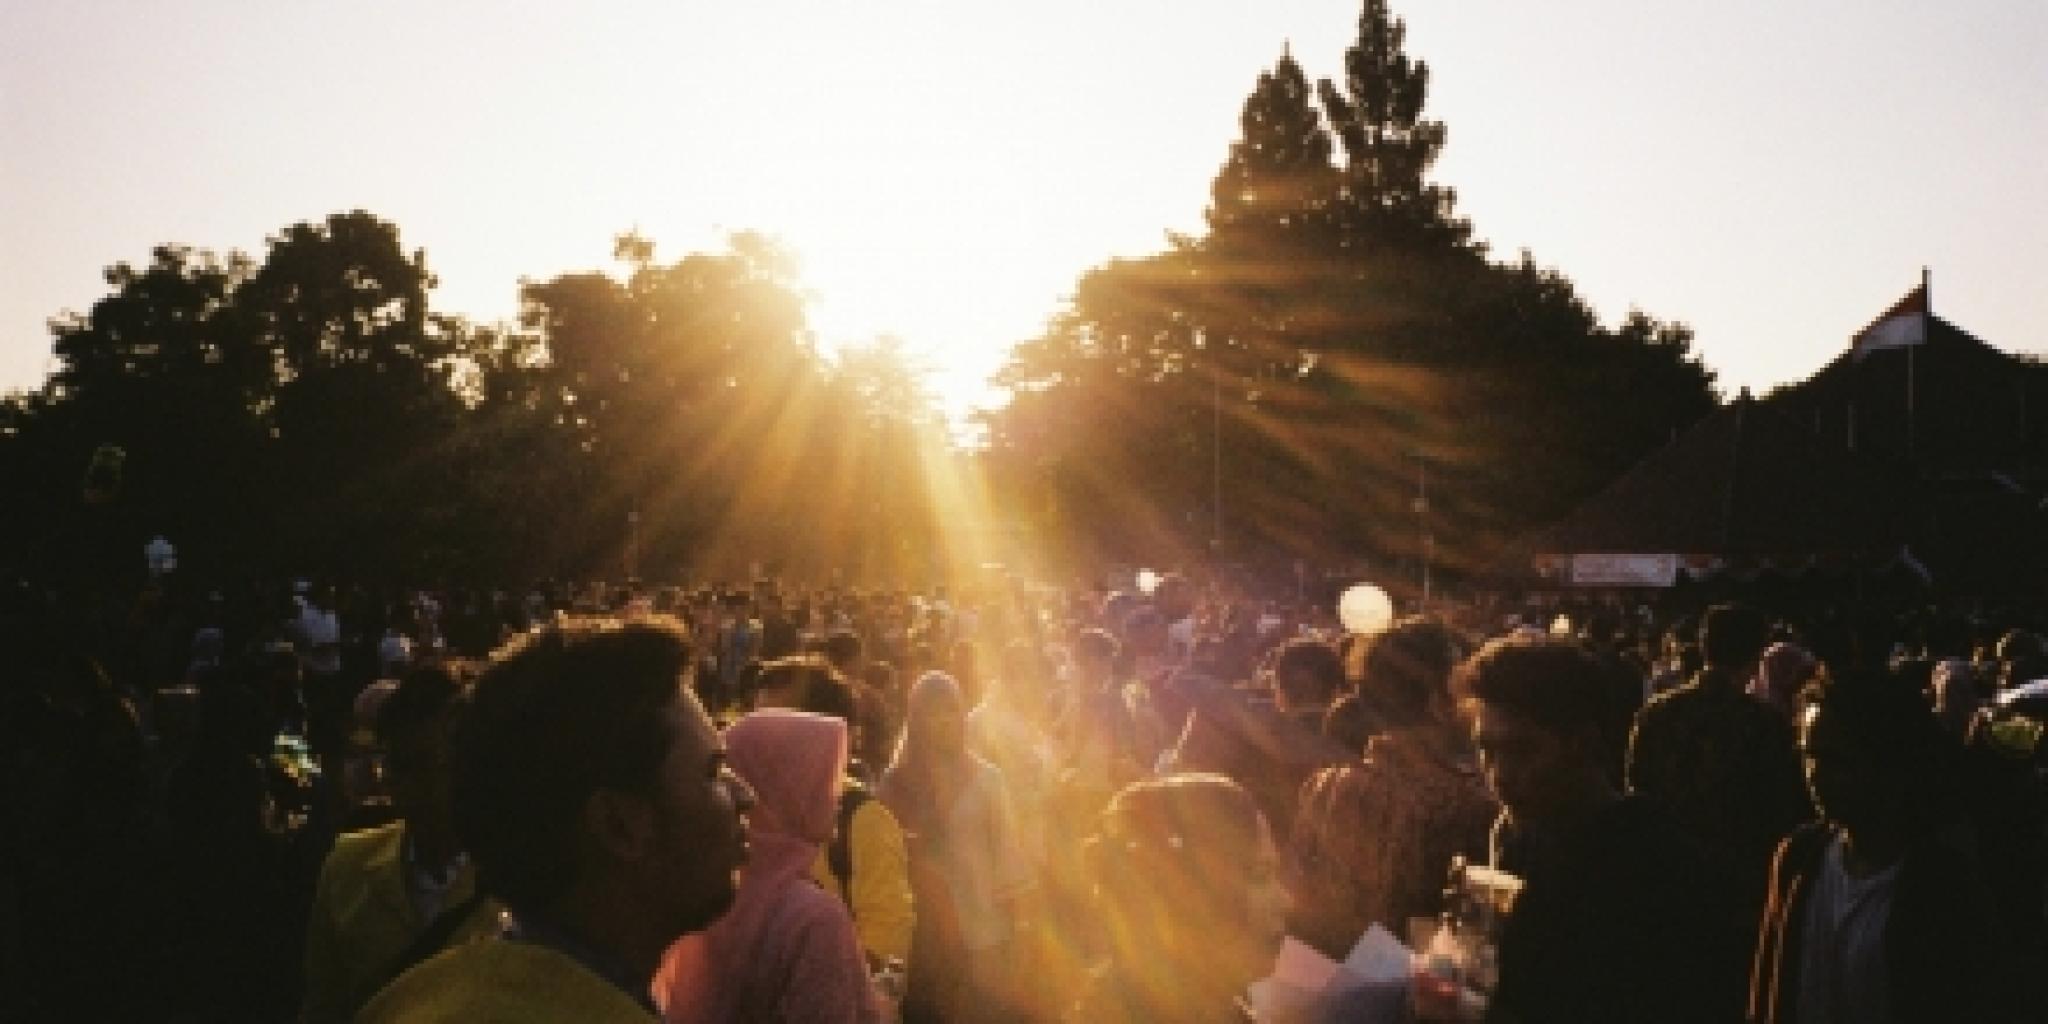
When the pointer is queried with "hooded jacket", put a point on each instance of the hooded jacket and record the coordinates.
(787, 950)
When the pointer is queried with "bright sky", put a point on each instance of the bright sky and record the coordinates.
(1774, 172)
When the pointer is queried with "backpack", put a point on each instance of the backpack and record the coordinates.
(839, 852)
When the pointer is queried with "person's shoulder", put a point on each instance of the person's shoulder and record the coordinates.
(1808, 841)
(1333, 778)
(1676, 700)
(360, 849)
(1729, 708)
(1358, 777)
(434, 990)
(1338, 793)
(806, 906)
(504, 981)
(871, 813)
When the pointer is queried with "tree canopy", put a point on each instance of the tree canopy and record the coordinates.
(1286, 383)
(309, 412)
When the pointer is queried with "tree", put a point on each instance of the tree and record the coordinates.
(1389, 148)
(340, 292)
(311, 413)
(696, 392)
(295, 413)
(341, 309)
(1333, 335)
(156, 368)
(887, 384)
(162, 320)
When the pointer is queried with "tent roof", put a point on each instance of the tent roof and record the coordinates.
(1746, 480)
(1944, 340)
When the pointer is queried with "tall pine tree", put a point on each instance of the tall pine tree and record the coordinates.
(1389, 147)
(1278, 174)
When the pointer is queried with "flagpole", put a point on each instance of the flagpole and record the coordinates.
(1912, 370)
(1216, 465)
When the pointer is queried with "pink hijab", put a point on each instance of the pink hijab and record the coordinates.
(787, 949)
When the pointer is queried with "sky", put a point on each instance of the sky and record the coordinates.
(1774, 173)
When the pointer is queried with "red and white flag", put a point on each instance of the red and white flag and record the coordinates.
(1902, 325)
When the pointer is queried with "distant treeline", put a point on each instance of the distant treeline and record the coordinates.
(1288, 384)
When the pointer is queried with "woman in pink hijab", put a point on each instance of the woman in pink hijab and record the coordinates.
(787, 950)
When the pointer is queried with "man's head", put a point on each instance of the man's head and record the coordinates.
(583, 763)
(1095, 653)
(1536, 706)
(805, 682)
(1188, 881)
(1403, 674)
(1873, 750)
(936, 723)
(1174, 597)
(1307, 674)
(844, 650)
(1733, 637)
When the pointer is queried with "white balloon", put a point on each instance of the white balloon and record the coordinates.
(1365, 609)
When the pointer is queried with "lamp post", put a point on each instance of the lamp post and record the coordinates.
(633, 542)
(1216, 464)
(1427, 548)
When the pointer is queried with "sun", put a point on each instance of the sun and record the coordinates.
(861, 293)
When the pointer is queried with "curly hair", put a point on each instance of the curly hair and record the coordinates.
(555, 715)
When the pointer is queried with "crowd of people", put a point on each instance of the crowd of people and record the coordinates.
(1010, 804)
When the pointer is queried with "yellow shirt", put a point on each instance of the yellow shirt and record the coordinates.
(500, 981)
(363, 920)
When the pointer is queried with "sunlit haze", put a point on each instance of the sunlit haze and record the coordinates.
(1773, 173)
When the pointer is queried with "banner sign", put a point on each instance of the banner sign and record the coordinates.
(1624, 570)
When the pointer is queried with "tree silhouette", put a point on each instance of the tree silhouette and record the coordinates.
(1282, 381)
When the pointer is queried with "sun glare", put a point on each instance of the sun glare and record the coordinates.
(914, 205)
(955, 345)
